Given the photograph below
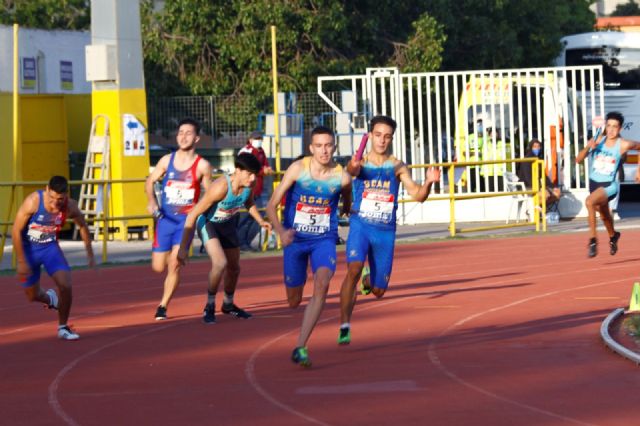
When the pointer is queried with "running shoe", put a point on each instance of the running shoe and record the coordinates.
(344, 338)
(613, 243)
(365, 281)
(161, 313)
(53, 299)
(232, 309)
(300, 356)
(593, 247)
(65, 333)
(209, 314)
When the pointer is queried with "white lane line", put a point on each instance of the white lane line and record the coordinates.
(435, 360)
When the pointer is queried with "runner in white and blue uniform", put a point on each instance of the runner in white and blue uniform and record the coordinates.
(35, 241)
(372, 225)
(604, 160)
(216, 219)
(313, 186)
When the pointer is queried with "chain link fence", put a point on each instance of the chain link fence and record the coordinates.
(227, 120)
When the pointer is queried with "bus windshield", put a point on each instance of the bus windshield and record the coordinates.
(621, 65)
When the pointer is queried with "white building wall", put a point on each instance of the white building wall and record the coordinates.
(48, 48)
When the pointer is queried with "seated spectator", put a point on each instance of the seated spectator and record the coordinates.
(534, 150)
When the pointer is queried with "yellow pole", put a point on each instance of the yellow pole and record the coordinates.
(105, 227)
(16, 122)
(4, 230)
(276, 116)
(452, 201)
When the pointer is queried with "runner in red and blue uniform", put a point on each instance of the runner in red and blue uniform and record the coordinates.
(35, 240)
(216, 219)
(372, 224)
(182, 174)
(313, 186)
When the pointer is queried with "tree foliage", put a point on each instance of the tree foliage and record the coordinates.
(47, 14)
(223, 47)
(630, 8)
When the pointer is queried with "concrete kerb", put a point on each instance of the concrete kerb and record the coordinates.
(610, 342)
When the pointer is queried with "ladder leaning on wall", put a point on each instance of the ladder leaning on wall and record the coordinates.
(96, 166)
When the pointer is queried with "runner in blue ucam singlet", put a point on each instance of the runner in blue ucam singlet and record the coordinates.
(311, 210)
(372, 226)
(604, 161)
(215, 217)
(312, 187)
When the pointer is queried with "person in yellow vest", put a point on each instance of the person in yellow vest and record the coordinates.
(494, 148)
(472, 151)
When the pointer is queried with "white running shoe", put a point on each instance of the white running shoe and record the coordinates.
(65, 333)
(53, 299)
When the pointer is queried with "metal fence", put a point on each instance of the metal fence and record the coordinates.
(226, 120)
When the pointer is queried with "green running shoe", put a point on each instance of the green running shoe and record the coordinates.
(300, 356)
(344, 338)
(365, 282)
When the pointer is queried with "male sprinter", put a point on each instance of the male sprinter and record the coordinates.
(604, 160)
(313, 186)
(182, 172)
(216, 218)
(372, 226)
(35, 241)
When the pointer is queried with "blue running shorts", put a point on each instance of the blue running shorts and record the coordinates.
(322, 253)
(48, 255)
(168, 233)
(610, 188)
(376, 244)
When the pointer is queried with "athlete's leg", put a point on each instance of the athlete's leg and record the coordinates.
(232, 272)
(62, 278)
(294, 296)
(218, 263)
(348, 292)
(295, 262)
(172, 279)
(312, 312)
(36, 294)
(159, 260)
(592, 202)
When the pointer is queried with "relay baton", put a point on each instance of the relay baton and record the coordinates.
(598, 123)
(363, 145)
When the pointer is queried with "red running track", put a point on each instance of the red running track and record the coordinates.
(488, 332)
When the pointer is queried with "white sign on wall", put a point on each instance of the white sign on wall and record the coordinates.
(134, 144)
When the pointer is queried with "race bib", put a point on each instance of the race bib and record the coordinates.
(376, 206)
(179, 193)
(604, 164)
(42, 234)
(312, 219)
(224, 215)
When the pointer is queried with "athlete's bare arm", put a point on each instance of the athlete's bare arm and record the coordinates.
(217, 191)
(592, 144)
(289, 178)
(250, 205)
(418, 192)
(74, 213)
(28, 208)
(346, 193)
(156, 175)
(203, 172)
(354, 166)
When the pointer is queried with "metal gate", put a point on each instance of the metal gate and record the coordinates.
(439, 114)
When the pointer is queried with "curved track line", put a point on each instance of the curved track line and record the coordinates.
(53, 387)
(435, 360)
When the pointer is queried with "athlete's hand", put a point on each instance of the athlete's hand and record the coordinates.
(152, 208)
(182, 256)
(287, 237)
(266, 225)
(23, 271)
(433, 174)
